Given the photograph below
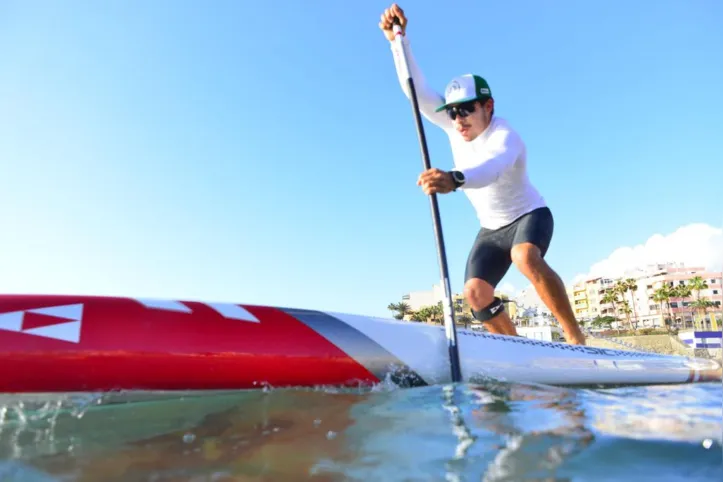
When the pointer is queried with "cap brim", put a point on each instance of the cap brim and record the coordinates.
(461, 101)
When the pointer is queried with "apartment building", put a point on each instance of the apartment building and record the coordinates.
(684, 314)
(587, 297)
(579, 301)
(418, 299)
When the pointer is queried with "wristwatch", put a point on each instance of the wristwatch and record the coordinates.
(458, 178)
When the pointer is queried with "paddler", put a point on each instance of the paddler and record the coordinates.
(491, 170)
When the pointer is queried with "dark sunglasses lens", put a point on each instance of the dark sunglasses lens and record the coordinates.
(462, 110)
(455, 111)
(467, 108)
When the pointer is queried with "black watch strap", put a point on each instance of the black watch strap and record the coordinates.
(458, 178)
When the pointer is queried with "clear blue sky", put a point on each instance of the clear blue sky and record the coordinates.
(231, 151)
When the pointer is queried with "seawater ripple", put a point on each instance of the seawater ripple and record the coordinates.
(489, 431)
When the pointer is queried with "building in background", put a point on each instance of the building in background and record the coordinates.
(588, 297)
(541, 332)
(683, 309)
(579, 301)
(418, 299)
(529, 299)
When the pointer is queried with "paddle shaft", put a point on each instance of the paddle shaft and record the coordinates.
(447, 307)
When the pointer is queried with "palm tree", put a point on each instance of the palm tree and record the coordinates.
(399, 309)
(661, 295)
(462, 312)
(423, 314)
(696, 284)
(702, 305)
(626, 311)
(667, 293)
(632, 285)
(611, 296)
(463, 317)
(437, 312)
(416, 316)
(658, 299)
(603, 321)
(621, 287)
(683, 292)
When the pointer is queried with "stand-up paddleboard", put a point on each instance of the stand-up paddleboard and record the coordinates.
(90, 343)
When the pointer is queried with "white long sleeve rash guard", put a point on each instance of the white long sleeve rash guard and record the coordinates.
(494, 164)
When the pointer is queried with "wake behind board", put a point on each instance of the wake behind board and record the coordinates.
(53, 343)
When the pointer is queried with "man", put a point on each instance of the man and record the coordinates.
(491, 169)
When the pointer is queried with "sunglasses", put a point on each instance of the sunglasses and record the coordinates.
(463, 110)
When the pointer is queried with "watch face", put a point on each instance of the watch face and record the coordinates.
(458, 176)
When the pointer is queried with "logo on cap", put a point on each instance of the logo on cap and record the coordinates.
(452, 87)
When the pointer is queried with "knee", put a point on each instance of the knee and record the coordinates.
(481, 298)
(478, 293)
(527, 259)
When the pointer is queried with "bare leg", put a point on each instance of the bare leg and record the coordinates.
(480, 294)
(501, 325)
(549, 287)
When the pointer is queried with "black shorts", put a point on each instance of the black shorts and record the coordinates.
(490, 258)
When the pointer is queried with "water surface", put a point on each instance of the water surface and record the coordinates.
(486, 432)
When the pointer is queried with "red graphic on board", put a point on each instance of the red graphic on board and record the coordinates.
(111, 343)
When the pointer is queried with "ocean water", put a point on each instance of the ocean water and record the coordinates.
(486, 432)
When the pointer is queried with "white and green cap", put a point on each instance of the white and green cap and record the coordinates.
(465, 88)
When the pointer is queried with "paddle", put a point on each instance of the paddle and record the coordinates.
(447, 304)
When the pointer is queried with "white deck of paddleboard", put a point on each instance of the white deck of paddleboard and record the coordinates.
(423, 348)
